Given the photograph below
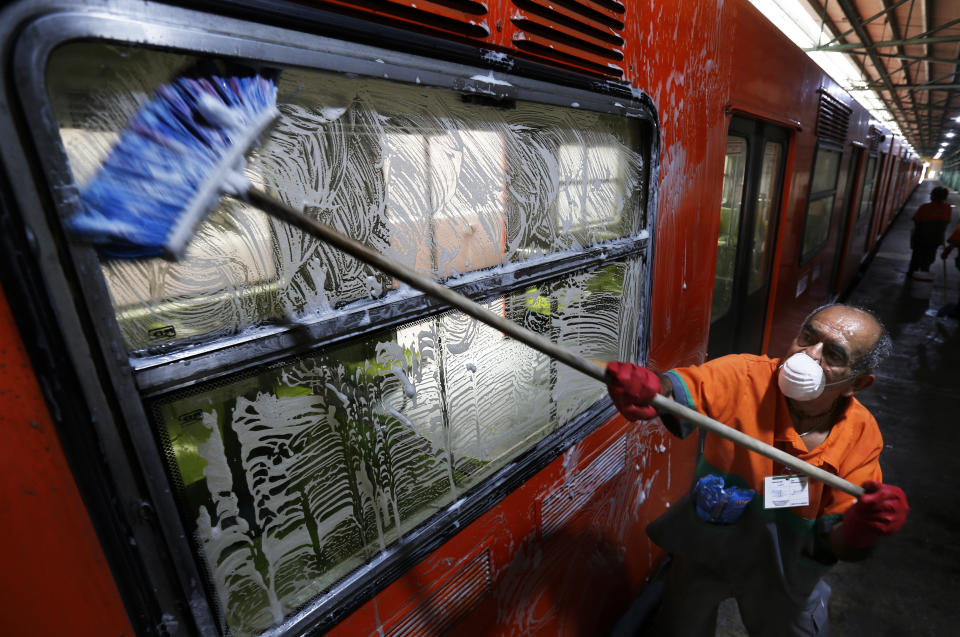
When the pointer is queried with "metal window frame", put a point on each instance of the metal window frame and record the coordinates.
(113, 389)
(807, 256)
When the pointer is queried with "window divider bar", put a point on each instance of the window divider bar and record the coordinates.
(166, 372)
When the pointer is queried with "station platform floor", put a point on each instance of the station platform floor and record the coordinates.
(910, 586)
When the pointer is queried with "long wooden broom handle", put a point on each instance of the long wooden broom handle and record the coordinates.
(426, 285)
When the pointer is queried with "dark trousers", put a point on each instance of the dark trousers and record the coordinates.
(692, 594)
(923, 256)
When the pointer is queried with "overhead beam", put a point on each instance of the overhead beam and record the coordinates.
(904, 67)
(860, 46)
(937, 107)
(866, 22)
(911, 87)
(856, 22)
(916, 58)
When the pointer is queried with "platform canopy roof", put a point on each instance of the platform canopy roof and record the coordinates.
(908, 56)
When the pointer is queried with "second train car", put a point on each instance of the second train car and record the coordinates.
(270, 438)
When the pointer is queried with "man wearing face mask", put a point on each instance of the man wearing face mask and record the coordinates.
(772, 554)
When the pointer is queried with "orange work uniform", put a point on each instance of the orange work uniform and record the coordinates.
(933, 211)
(930, 225)
(741, 392)
(771, 560)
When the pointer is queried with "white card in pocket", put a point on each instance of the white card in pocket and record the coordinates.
(781, 492)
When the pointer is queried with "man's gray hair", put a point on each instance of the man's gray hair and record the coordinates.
(882, 348)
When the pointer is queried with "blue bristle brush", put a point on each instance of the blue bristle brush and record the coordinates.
(180, 152)
(186, 148)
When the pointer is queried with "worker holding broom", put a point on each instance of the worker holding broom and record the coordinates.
(752, 528)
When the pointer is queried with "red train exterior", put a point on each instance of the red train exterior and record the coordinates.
(702, 64)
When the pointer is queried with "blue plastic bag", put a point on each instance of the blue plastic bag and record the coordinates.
(717, 504)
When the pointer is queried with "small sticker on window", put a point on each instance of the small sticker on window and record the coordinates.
(191, 416)
(163, 333)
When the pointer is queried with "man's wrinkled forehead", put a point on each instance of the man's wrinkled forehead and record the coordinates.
(842, 325)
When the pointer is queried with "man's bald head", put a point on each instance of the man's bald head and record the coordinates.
(862, 329)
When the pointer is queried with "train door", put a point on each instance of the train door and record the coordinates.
(749, 211)
(851, 204)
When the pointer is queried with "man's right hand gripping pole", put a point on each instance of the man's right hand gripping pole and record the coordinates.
(632, 389)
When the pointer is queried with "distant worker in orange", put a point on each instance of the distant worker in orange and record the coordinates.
(929, 227)
(752, 528)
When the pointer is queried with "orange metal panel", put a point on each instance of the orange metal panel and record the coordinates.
(576, 581)
(56, 580)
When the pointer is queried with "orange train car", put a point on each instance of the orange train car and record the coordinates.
(271, 438)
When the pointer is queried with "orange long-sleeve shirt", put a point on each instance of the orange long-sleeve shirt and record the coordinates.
(933, 211)
(741, 391)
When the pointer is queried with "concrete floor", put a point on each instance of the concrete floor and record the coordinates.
(911, 584)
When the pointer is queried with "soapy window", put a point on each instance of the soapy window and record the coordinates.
(291, 477)
(439, 184)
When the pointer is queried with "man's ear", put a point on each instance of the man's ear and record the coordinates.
(860, 383)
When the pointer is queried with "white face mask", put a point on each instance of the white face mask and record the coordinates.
(801, 378)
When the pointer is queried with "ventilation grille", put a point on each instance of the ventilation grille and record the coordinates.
(562, 504)
(833, 118)
(466, 18)
(876, 137)
(586, 34)
(449, 602)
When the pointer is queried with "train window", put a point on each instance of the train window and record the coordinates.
(310, 412)
(734, 166)
(869, 180)
(295, 475)
(401, 168)
(823, 189)
(765, 205)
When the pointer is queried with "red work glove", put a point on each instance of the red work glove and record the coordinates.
(881, 510)
(632, 388)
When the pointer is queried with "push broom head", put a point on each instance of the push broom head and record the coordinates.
(179, 153)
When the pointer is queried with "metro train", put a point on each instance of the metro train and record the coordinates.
(268, 437)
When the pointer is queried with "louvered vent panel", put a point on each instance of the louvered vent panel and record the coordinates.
(833, 118)
(459, 17)
(587, 34)
(449, 602)
(875, 138)
(561, 505)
